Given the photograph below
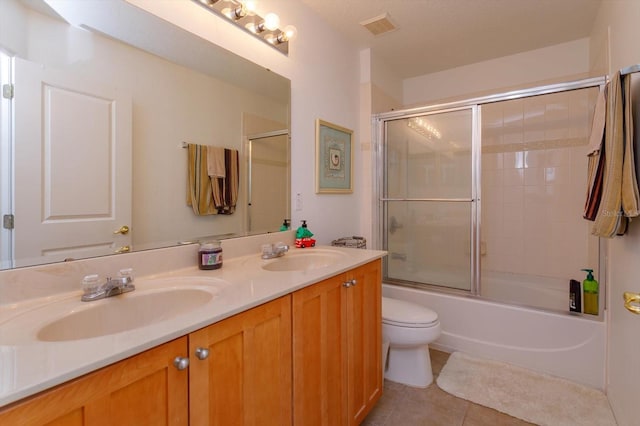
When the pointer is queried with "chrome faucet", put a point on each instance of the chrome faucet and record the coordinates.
(93, 290)
(271, 251)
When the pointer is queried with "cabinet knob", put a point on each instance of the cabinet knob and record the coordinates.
(181, 362)
(202, 353)
(349, 283)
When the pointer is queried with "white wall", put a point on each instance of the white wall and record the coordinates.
(550, 64)
(615, 35)
(324, 70)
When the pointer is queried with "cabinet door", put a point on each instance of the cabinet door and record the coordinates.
(319, 347)
(364, 312)
(246, 377)
(144, 389)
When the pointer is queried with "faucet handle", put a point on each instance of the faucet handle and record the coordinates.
(126, 275)
(90, 283)
(280, 247)
(267, 249)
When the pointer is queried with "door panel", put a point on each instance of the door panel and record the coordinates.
(429, 199)
(73, 145)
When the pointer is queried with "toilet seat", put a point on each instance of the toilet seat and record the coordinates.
(407, 314)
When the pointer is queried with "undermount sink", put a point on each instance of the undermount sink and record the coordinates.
(301, 260)
(120, 314)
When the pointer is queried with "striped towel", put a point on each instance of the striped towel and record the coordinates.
(596, 157)
(225, 190)
(212, 195)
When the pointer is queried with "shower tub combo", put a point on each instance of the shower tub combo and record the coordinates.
(480, 208)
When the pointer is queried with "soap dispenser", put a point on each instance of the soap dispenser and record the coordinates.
(285, 225)
(590, 293)
(303, 236)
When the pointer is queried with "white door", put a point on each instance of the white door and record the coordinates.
(624, 328)
(73, 166)
(623, 387)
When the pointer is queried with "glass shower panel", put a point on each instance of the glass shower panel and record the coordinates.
(534, 177)
(429, 243)
(428, 191)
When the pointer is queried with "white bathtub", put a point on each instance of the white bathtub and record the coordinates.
(562, 345)
(528, 290)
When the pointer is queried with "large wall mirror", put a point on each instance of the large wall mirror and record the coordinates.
(104, 100)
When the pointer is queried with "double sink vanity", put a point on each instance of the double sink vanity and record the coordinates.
(289, 340)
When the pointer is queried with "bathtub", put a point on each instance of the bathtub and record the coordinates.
(560, 344)
(527, 290)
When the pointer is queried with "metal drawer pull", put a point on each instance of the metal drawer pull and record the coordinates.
(181, 363)
(202, 353)
(632, 302)
(349, 283)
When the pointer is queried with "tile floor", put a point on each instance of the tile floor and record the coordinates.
(402, 405)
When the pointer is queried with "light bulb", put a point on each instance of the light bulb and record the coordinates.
(271, 21)
(250, 6)
(290, 32)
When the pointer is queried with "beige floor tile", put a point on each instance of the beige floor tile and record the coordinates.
(402, 405)
(477, 415)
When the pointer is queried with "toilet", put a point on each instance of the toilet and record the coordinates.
(408, 329)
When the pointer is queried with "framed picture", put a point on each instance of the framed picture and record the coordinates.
(334, 159)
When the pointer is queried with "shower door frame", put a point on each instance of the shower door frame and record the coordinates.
(379, 122)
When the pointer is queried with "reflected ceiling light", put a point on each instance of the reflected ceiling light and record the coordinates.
(243, 14)
(424, 127)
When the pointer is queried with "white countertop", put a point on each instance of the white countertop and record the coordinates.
(28, 365)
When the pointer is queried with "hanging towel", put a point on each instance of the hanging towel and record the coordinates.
(225, 190)
(630, 196)
(618, 176)
(215, 162)
(199, 191)
(596, 157)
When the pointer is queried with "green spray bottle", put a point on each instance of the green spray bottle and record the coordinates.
(590, 293)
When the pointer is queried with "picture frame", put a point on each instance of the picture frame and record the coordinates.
(334, 158)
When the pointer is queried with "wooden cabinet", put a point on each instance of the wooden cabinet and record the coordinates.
(245, 376)
(364, 340)
(337, 367)
(144, 389)
(241, 370)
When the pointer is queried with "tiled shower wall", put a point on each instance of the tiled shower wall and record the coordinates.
(534, 179)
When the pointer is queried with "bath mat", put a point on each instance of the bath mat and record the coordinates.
(534, 397)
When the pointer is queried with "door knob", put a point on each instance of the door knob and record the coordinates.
(123, 249)
(124, 229)
(632, 302)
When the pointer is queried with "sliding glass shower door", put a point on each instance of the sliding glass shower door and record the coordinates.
(429, 198)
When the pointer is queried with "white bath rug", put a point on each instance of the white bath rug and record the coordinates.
(534, 397)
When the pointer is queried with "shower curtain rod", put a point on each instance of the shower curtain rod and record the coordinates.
(630, 70)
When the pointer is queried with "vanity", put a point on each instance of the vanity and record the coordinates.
(291, 340)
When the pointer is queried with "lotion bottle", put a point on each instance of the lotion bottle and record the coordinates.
(590, 293)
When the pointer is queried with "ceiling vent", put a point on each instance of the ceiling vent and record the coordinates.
(379, 25)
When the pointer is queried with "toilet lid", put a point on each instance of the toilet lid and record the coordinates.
(399, 312)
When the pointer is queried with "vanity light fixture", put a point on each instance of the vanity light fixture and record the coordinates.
(243, 14)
